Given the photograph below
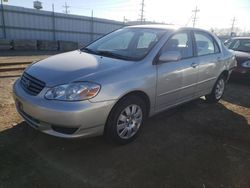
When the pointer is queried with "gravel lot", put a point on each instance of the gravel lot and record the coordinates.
(194, 145)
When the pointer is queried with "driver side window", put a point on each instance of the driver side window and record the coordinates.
(180, 42)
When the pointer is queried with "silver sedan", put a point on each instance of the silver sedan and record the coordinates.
(112, 85)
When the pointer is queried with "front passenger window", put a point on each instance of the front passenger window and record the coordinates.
(180, 42)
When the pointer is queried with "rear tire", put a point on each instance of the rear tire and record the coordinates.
(125, 120)
(218, 90)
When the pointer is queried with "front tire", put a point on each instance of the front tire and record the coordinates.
(218, 90)
(125, 120)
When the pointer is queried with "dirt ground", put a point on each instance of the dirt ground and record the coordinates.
(194, 145)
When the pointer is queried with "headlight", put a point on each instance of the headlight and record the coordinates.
(246, 64)
(73, 92)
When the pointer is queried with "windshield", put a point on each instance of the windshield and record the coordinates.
(128, 43)
(240, 45)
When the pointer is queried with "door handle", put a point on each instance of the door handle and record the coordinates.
(194, 65)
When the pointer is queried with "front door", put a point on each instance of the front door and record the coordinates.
(177, 81)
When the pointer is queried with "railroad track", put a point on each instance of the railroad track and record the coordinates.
(14, 69)
(7, 67)
(13, 64)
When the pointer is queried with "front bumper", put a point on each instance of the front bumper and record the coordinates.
(61, 118)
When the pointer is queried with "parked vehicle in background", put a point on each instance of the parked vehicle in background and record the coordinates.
(111, 86)
(227, 42)
(241, 47)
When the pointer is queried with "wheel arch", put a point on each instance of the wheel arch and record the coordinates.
(225, 73)
(139, 93)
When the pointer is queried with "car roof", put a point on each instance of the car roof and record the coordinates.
(155, 26)
(240, 38)
(165, 26)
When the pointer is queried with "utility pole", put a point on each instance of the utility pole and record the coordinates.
(124, 20)
(3, 20)
(195, 15)
(53, 22)
(233, 22)
(244, 32)
(142, 19)
(92, 25)
(66, 11)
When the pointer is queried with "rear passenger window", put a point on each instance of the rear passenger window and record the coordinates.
(180, 42)
(205, 44)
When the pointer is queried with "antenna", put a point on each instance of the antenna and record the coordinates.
(66, 11)
(195, 15)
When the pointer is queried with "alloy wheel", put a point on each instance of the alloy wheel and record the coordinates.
(129, 121)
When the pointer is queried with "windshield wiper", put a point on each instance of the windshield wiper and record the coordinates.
(114, 55)
(88, 50)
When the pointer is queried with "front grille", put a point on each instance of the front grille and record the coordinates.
(31, 85)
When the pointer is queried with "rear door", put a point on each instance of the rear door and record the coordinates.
(209, 57)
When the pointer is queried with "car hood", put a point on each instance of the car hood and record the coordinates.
(242, 56)
(73, 66)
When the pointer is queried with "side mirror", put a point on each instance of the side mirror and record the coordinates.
(170, 56)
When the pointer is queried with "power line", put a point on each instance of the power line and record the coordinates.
(196, 10)
(142, 19)
(117, 8)
(66, 11)
(103, 3)
(188, 21)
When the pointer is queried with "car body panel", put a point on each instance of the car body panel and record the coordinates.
(176, 82)
(46, 113)
(63, 68)
(241, 57)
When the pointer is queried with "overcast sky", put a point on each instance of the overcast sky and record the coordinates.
(213, 13)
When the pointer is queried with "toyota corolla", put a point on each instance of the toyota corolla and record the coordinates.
(112, 85)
